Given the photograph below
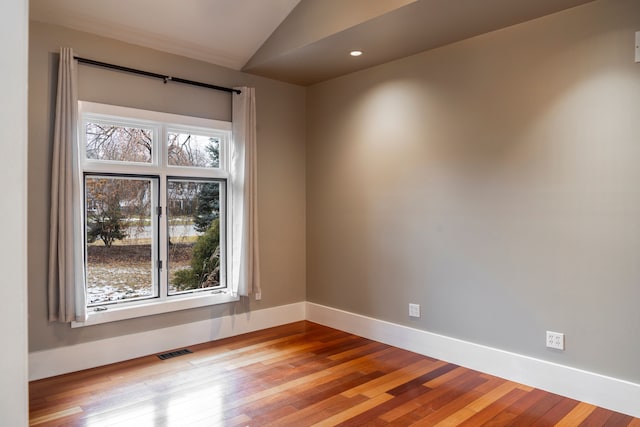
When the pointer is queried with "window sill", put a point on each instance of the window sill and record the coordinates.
(114, 313)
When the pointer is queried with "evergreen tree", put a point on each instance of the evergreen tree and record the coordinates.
(208, 207)
(204, 271)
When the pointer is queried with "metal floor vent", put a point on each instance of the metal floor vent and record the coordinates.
(176, 353)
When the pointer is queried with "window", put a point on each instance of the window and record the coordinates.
(155, 210)
(120, 255)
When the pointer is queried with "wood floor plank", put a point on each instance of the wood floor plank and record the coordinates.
(337, 386)
(508, 416)
(441, 368)
(577, 415)
(440, 380)
(536, 411)
(354, 411)
(452, 401)
(319, 411)
(393, 379)
(224, 353)
(358, 351)
(598, 417)
(38, 420)
(435, 398)
(495, 408)
(485, 399)
(404, 403)
(374, 416)
(618, 420)
(557, 413)
(297, 375)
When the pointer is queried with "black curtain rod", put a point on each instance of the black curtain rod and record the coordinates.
(155, 75)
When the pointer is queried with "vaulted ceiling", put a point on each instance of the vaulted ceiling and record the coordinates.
(299, 41)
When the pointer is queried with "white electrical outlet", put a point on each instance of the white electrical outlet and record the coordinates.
(555, 340)
(414, 310)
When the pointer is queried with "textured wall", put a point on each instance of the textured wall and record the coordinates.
(281, 164)
(493, 181)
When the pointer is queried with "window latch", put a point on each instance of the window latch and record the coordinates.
(159, 210)
(159, 264)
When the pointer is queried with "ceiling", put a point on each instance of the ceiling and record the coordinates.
(222, 32)
(298, 41)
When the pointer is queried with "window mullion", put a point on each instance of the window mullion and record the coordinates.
(164, 217)
(157, 238)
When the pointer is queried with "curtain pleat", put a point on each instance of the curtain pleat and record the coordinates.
(245, 266)
(65, 278)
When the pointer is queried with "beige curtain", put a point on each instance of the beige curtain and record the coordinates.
(245, 266)
(66, 283)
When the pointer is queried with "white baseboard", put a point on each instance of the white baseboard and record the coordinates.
(607, 392)
(62, 360)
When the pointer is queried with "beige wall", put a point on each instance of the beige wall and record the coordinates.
(13, 250)
(281, 165)
(495, 182)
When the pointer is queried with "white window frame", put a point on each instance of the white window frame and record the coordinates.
(160, 123)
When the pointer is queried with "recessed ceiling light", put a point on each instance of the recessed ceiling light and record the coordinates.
(355, 53)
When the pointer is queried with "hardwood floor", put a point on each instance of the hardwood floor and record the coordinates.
(300, 374)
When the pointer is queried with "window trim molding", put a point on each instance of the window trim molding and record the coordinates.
(179, 302)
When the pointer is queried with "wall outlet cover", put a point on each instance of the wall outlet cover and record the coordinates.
(414, 310)
(555, 340)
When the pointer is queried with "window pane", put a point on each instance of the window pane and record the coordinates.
(193, 214)
(187, 149)
(118, 143)
(119, 239)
